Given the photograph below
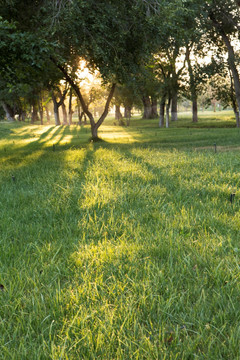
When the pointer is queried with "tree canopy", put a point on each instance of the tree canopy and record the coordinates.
(46, 40)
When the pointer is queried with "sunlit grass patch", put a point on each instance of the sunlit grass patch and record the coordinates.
(122, 249)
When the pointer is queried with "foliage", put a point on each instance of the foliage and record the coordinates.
(25, 70)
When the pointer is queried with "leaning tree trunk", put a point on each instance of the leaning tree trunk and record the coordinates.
(9, 111)
(235, 75)
(174, 110)
(94, 125)
(235, 109)
(147, 114)
(237, 118)
(233, 101)
(154, 113)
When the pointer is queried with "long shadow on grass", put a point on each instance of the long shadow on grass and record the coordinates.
(111, 267)
(184, 192)
(47, 141)
(78, 269)
(186, 139)
(39, 231)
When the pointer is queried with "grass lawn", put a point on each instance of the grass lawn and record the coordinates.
(124, 249)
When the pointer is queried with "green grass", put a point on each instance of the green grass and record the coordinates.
(124, 249)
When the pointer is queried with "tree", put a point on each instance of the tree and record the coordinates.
(222, 18)
(223, 90)
(111, 36)
(25, 71)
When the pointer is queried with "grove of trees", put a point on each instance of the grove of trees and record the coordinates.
(141, 53)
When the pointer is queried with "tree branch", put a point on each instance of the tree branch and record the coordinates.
(105, 112)
(76, 89)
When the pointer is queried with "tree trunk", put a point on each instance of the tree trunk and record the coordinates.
(194, 110)
(237, 118)
(154, 114)
(9, 111)
(34, 117)
(118, 115)
(47, 114)
(80, 113)
(147, 107)
(167, 112)
(94, 126)
(193, 88)
(174, 111)
(64, 112)
(56, 111)
(214, 105)
(231, 60)
(233, 101)
(40, 107)
(162, 110)
(94, 130)
(22, 115)
(127, 114)
(70, 111)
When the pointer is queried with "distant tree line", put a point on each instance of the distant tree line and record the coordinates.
(147, 53)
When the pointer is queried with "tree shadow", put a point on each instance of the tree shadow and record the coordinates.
(83, 256)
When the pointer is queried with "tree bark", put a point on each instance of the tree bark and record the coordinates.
(70, 111)
(57, 104)
(118, 115)
(192, 87)
(47, 114)
(56, 110)
(22, 115)
(127, 114)
(154, 113)
(167, 112)
(162, 110)
(147, 113)
(80, 113)
(235, 75)
(174, 110)
(34, 116)
(194, 110)
(231, 60)
(64, 112)
(40, 107)
(9, 111)
(233, 101)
